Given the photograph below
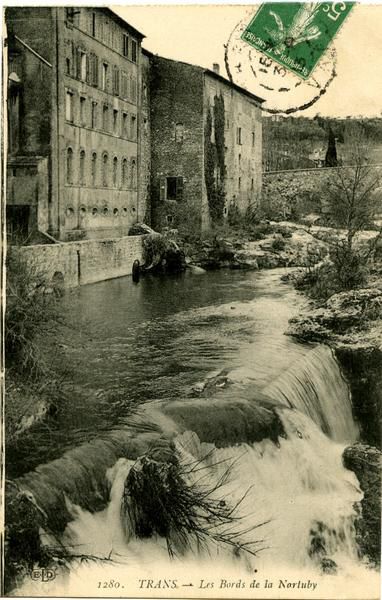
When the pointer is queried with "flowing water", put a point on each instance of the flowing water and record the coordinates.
(157, 343)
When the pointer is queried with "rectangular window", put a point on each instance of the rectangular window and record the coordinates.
(93, 24)
(69, 106)
(82, 110)
(105, 117)
(239, 183)
(115, 122)
(125, 44)
(252, 184)
(238, 135)
(116, 81)
(124, 125)
(253, 139)
(133, 50)
(174, 188)
(105, 69)
(133, 132)
(94, 115)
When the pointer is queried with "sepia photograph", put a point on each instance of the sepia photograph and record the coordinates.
(191, 373)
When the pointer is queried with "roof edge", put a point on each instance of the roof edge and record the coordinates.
(123, 21)
(234, 85)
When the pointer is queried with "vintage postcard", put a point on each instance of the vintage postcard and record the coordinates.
(192, 300)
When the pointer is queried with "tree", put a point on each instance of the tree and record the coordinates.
(353, 205)
(351, 197)
(331, 153)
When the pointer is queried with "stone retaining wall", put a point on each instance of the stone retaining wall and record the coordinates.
(77, 263)
(304, 187)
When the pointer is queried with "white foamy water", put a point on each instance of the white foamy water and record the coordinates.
(315, 386)
(300, 486)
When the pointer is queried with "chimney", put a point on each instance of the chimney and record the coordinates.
(216, 68)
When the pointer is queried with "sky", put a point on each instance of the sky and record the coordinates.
(197, 34)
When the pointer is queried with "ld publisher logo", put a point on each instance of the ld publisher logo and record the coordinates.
(43, 575)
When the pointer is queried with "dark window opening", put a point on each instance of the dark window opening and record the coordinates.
(93, 24)
(133, 50)
(125, 47)
(174, 188)
(68, 69)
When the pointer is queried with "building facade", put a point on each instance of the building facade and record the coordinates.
(206, 145)
(75, 99)
(103, 134)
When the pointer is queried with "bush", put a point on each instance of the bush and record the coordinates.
(278, 244)
(347, 270)
(31, 311)
(350, 266)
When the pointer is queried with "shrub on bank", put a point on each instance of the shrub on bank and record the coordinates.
(31, 311)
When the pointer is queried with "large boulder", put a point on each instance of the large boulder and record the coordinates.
(342, 314)
(365, 462)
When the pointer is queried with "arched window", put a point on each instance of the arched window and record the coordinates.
(124, 173)
(133, 173)
(115, 171)
(105, 174)
(69, 165)
(94, 169)
(82, 167)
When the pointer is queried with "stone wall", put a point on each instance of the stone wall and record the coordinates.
(176, 141)
(300, 187)
(88, 261)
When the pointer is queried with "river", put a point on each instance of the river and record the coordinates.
(125, 344)
(148, 349)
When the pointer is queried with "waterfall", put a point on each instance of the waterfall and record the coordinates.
(299, 489)
(315, 386)
(295, 502)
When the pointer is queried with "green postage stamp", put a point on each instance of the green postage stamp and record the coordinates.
(296, 34)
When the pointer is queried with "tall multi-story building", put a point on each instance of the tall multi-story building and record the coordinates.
(206, 139)
(103, 134)
(78, 122)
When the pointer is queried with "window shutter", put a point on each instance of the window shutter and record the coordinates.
(117, 74)
(162, 189)
(116, 81)
(78, 63)
(95, 70)
(179, 188)
(88, 68)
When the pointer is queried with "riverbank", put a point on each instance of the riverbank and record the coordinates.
(350, 322)
(267, 245)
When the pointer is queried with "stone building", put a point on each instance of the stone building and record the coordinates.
(206, 139)
(103, 134)
(78, 121)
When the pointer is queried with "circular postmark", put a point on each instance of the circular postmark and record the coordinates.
(281, 90)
